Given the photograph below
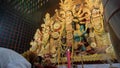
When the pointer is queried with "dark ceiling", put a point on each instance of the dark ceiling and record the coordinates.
(30, 9)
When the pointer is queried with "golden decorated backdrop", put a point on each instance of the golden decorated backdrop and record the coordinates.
(78, 26)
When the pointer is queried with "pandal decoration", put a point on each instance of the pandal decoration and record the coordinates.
(75, 26)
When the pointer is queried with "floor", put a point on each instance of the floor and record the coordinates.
(116, 65)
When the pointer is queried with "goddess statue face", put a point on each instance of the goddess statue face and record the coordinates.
(69, 17)
(62, 13)
(68, 13)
